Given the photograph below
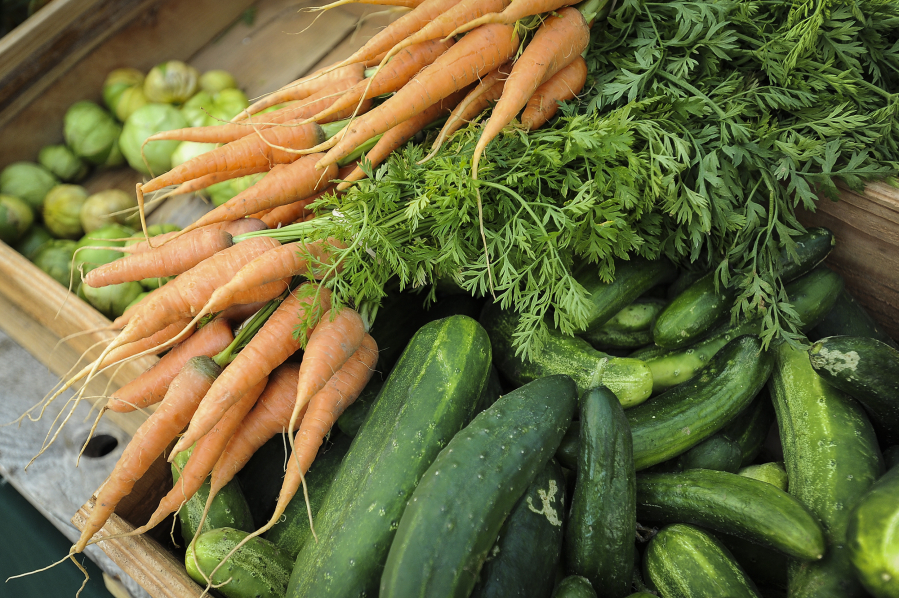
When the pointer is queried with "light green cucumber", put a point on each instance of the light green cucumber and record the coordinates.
(575, 586)
(848, 318)
(872, 537)
(716, 452)
(629, 328)
(773, 473)
(691, 314)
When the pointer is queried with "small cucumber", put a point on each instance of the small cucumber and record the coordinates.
(732, 504)
(567, 452)
(629, 379)
(871, 537)
(684, 562)
(848, 318)
(629, 328)
(772, 473)
(352, 419)
(492, 392)
(229, 508)
(691, 314)
(599, 536)
(683, 281)
(523, 559)
(717, 452)
(831, 457)
(868, 371)
(505, 447)
(687, 414)
(575, 586)
(811, 249)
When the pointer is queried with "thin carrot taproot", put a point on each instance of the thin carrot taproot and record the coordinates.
(304, 87)
(564, 85)
(204, 182)
(150, 440)
(400, 3)
(515, 11)
(268, 349)
(472, 57)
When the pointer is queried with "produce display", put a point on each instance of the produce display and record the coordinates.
(540, 264)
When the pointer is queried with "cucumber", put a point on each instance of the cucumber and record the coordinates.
(871, 537)
(683, 281)
(687, 414)
(868, 371)
(352, 419)
(685, 562)
(750, 429)
(772, 473)
(732, 504)
(575, 586)
(523, 559)
(831, 457)
(811, 249)
(717, 452)
(229, 508)
(258, 569)
(633, 277)
(599, 536)
(567, 452)
(492, 391)
(292, 530)
(261, 478)
(848, 318)
(691, 314)
(812, 296)
(629, 328)
(430, 395)
(629, 379)
(505, 446)
(766, 567)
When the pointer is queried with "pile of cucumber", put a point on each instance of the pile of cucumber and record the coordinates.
(664, 452)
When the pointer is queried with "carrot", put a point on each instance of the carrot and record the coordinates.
(399, 135)
(268, 349)
(475, 55)
(304, 87)
(296, 211)
(252, 151)
(150, 387)
(242, 226)
(396, 73)
(520, 9)
(564, 85)
(402, 3)
(240, 312)
(170, 259)
(150, 440)
(205, 181)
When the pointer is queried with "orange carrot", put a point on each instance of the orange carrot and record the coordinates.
(474, 56)
(150, 440)
(251, 151)
(268, 349)
(242, 226)
(241, 312)
(564, 85)
(205, 181)
(304, 87)
(520, 9)
(150, 387)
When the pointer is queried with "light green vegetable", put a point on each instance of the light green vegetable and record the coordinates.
(146, 121)
(117, 82)
(160, 229)
(27, 181)
(99, 207)
(187, 150)
(90, 131)
(197, 109)
(62, 211)
(33, 240)
(222, 192)
(112, 300)
(55, 258)
(171, 82)
(63, 163)
(131, 99)
(108, 236)
(216, 80)
(15, 218)
(227, 104)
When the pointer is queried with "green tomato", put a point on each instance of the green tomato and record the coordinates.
(215, 81)
(222, 192)
(112, 235)
(63, 163)
(55, 258)
(112, 300)
(171, 82)
(99, 208)
(62, 211)
(16, 218)
(146, 121)
(28, 181)
(33, 240)
(188, 150)
(90, 131)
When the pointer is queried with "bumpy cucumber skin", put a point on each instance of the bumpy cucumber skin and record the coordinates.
(629, 379)
(811, 249)
(599, 536)
(292, 530)
(523, 559)
(732, 504)
(831, 457)
(430, 395)
(567, 452)
(812, 296)
(629, 328)
(692, 313)
(684, 562)
(257, 570)
(575, 586)
(770, 473)
(687, 414)
(452, 520)
(632, 278)
(868, 371)
(871, 537)
(229, 508)
(848, 318)
(352, 419)
(750, 429)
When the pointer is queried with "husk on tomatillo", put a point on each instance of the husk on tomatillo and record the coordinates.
(101, 209)
(146, 121)
(62, 211)
(27, 181)
(91, 132)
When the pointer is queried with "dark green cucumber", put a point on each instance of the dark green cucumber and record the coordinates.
(492, 391)
(871, 537)
(257, 570)
(229, 508)
(629, 379)
(292, 530)
(575, 586)
(750, 429)
(812, 296)
(811, 249)
(687, 414)
(459, 506)
(831, 457)
(261, 478)
(629, 328)
(718, 452)
(732, 504)
(766, 567)
(523, 559)
(771, 473)
(691, 314)
(868, 371)
(431, 394)
(683, 281)
(599, 536)
(352, 419)
(685, 562)
(568, 449)
(848, 318)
